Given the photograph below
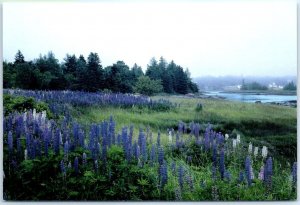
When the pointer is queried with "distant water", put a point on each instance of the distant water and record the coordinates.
(252, 97)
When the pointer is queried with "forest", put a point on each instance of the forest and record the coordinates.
(78, 73)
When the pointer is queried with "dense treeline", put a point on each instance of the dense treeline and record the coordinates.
(253, 86)
(78, 73)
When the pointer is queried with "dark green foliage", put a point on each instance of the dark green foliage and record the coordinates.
(290, 86)
(46, 73)
(147, 86)
(253, 86)
(20, 104)
(174, 79)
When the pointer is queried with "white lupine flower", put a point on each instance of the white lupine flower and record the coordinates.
(44, 115)
(255, 151)
(234, 143)
(69, 165)
(264, 152)
(24, 116)
(261, 173)
(170, 136)
(250, 148)
(251, 173)
(238, 139)
(25, 154)
(226, 136)
(34, 114)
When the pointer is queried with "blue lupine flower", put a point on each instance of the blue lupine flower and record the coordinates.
(56, 141)
(118, 139)
(158, 139)
(62, 167)
(241, 177)
(189, 159)
(178, 196)
(19, 146)
(163, 171)
(180, 176)
(10, 142)
(268, 172)
(66, 149)
(180, 127)
(84, 160)
(153, 154)
(96, 165)
(189, 181)
(76, 165)
(173, 167)
(214, 152)
(111, 129)
(227, 175)
(161, 155)
(222, 163)
(144, 148)
(294, 173)
(213, 171)
(248, 170)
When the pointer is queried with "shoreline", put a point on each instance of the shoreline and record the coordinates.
(262, 92)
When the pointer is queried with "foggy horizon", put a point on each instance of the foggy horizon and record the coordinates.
(221, 38)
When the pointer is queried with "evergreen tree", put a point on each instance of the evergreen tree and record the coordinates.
(19, 58)
(94, 74)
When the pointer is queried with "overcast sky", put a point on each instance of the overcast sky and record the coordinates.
(219, 38)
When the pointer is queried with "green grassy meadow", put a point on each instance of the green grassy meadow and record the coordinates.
(262, 124)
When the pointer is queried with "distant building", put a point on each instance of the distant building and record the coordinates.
(274, 86)
(232, 87)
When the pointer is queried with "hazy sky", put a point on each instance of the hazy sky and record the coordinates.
(219, 38)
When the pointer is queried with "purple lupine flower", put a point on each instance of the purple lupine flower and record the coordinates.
(66, 150)
(189, 181)
(294, 173)
(161, 155)
(158, 139)
(153, 154)
(222, 163)
(81, 138)
(214, 154)
(56, 141)
(268, 172)
(248, 170)
(75, 133)
(173, 167)
(241, 177)
(227, 175)
(19, 147)
(62, 167)
(163, 171)
(38, 148)
(180, 176)
(111, 129)
(96, 166)
(261, 173)
(206, 139)
(189, 159)
(213, 171)
(118, 139)
(84, 160)
(144, 149)
(76, 165)
(10, 142)
(178, 196)
(196, 130)
(180, 127)
(33, 149)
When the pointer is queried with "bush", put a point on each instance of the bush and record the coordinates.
(21, 104)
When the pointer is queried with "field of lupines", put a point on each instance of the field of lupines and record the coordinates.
(60, 159)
